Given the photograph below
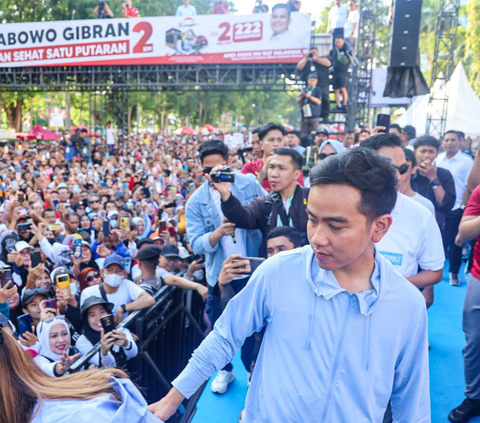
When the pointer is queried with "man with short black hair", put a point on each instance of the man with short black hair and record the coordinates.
(321, 302)
(293, 141)
(310, 105)
(460, 166)
(285, 206)
(409, 135)
(395, 129)
(433, 182)
(348, 139)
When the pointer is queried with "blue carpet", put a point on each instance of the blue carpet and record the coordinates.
(447, 382)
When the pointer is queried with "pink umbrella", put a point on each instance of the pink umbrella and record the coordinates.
(39, 133)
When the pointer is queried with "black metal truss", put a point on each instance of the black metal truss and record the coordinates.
(148, 78)
(443, 65)
(360, 90)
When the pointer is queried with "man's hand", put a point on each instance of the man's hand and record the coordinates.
(194, 266)
(428, 169)
(107, 341)
(226, 228)
(378, 130)
(203, 291)
(15, 257)
(166, 407)
(222, 187)
(118, 316)
(231, 270)
(263, 174)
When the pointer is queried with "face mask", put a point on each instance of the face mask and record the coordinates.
(51, 240)
(113, 280)
(113, 223)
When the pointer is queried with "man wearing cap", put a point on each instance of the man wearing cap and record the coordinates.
(310, 101)
(149, 258)
(31, 299)
(119, 200)
(123, 293)
(310, 156)
(293, 141)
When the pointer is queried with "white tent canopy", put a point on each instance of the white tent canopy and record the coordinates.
(462, 112)
(7, 134)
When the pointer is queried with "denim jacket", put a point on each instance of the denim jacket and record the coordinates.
(203, 218)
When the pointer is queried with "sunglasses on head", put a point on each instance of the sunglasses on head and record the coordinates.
(90, 278)
(403, 168)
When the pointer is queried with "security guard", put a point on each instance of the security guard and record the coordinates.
(148, 257)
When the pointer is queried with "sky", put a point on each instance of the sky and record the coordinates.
(314, 7)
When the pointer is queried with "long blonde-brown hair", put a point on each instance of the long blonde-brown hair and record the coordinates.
(22, 383)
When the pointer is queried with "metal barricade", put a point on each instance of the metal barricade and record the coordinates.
(168, 333)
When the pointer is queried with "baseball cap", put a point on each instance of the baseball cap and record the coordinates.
(322, 131)
(113, 259)
(149, 252)
(29, 294)
(183, 253)
(21, 245)
(170, 250)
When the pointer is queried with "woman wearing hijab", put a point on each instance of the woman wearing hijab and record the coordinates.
(56, 353)
(96, 395)
(143, 230)
(118, 346)
(329, 148)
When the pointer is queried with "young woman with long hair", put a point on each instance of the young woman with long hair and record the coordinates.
(27, 394)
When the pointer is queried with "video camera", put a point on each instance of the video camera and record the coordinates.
(224, 175)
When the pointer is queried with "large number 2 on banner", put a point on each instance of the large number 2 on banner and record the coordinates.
(142, 46)
(224, 36)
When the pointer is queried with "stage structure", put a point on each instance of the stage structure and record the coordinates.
(443, 65)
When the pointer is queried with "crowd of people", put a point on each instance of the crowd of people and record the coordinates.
(91, 229)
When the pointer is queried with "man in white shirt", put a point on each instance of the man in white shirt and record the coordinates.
(110, 137)
(414, 240)
(124, 294)
(460, 166)
(186, 9)
(337, 17)
(351, 26)
(281, 19)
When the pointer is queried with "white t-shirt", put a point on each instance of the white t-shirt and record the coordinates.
(110, 135)
(353, 18)
(337, 16)
(424, 202)
(413, 240)
(127, 292)
(189, 10)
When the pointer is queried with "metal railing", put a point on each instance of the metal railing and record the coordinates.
(168, 333)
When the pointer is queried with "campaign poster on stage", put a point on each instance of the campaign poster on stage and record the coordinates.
(203, 39)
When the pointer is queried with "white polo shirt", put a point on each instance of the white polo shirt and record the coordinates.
(189, 10)
(413, 240)
(338, 16)
(460, 167)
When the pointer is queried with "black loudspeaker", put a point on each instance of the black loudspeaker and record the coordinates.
(406, 33)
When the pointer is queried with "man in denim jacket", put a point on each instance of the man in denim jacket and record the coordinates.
(210, 234)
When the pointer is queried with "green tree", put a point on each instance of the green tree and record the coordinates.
(472, 44)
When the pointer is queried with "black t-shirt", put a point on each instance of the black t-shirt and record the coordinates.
(315, 108)
(320, 70)
(336, 57)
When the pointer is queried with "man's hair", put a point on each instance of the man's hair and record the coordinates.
(48, 211)
(70, 214)
(452, 132)
(395, 125)
(91, 195)
(364, 131)
(288, 232)
(208, 148)
(295, 156)
(376, 142)
(410, 132)
(256, 130)
(410, 156)
(281, 6)
(265, 129)
(361, 168)
(428, 141)
(461, 134)
(109, 122)
(349, 132)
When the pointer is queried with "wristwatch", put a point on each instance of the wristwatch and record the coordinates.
(124, 308)
(435, 183)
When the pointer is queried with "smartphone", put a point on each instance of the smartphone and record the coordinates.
(23, 212)
(55, 204)
(5, 275)
(22, 227)
(107, 323)
(102, 215)
(36, 258)
(51, 303)
(63, 283)
(106, 228)
(127, 264)
(24, 323)
(54, 228)
(200, 259)
(384, 120)
(124, 186)
(163, 226)
(76, 189)
(125, 223)
(21, 198)
(254, 263)
(171, 231)
(77, 247)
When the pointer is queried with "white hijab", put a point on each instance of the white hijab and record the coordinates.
(43, 332)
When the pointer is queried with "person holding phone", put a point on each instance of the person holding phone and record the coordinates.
(118, 346)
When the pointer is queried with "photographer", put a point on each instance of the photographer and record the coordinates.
(260, 7)
(127, 12)
(219, 7)
(314, 63)
(285, 206)
(341, 58)
(102, 11)
(310, 103)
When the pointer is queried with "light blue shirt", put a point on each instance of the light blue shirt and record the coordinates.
(203, 218)
(327, 355)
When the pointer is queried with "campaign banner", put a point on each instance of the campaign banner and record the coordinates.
(203, 39)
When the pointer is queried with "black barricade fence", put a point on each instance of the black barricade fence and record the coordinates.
(168, 333)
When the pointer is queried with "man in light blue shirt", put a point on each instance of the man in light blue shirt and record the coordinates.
(344, 332)
(186, 9)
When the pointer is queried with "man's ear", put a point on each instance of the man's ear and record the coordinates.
(380, 227)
